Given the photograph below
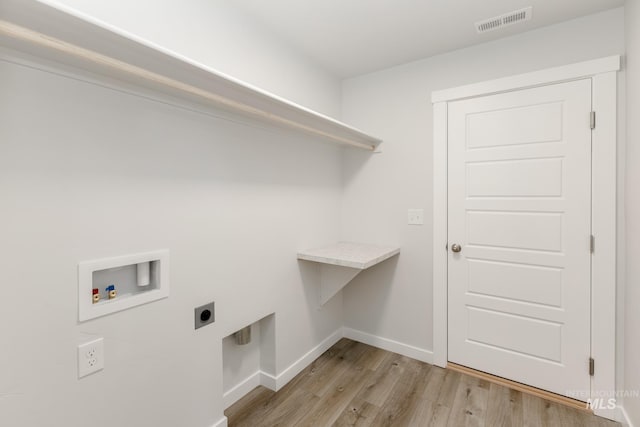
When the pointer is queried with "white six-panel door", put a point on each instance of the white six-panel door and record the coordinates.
(519, 177)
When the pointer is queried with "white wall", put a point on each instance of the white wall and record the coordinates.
(632, 318)
(394, 300)
(216, 34)
(88, 172)
(240, 361)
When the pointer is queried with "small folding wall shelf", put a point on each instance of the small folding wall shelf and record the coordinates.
(341, 262)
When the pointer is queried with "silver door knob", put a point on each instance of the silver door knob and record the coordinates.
(456, 247)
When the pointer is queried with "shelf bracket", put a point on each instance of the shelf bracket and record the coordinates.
(333, 278)
(341, 262)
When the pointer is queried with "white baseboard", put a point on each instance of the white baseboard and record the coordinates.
(268, 381)
(389, 345)
(275, 383)
(237, 392)
(297, 366)
(221, 423)
(624, 417)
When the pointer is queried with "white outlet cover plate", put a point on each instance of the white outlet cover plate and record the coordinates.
(415, 217)
(90, 357)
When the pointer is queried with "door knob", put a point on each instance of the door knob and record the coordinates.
(456, 247)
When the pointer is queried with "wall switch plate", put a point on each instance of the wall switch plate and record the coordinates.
(416, 217)
(205, 315)
(90, 357)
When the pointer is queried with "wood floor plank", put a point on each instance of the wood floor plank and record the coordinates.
(573, 417)
(430, 414)
(329, 408)
(379, 385)
(292, 410)
(342, 389)
(447, 392)
(532, 410)
(440, 416)
(320, 381)
(374, 358)
(358, 413)
(347, 361)
(310, 373)
(404, 399)
(436, 379)
(504, 407)
(517, 409)
(550, 413)
(250, 408)
(470, 403)
(270, 401)
(423, 380)
(353, 384)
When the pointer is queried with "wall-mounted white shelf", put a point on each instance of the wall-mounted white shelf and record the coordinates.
(341, 262)
(42, 28)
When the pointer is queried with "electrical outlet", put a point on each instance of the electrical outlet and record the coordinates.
(90, 357)
(205, 315)
(415, 217)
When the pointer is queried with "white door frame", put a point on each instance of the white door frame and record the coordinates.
(603, 74)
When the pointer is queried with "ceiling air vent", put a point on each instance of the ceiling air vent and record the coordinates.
(510, 18)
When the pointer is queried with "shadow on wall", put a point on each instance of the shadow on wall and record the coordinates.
(310, 280)
(373, 286)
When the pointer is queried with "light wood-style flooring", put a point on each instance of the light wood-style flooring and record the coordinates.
(353, 384)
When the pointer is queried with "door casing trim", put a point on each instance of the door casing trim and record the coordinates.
(603, 75)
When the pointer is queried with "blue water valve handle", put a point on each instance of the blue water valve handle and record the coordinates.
(111, 291)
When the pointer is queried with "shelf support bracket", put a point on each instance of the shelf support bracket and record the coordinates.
(341, 262)
(333, 278)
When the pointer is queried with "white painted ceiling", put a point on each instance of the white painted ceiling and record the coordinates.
(353, 37)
